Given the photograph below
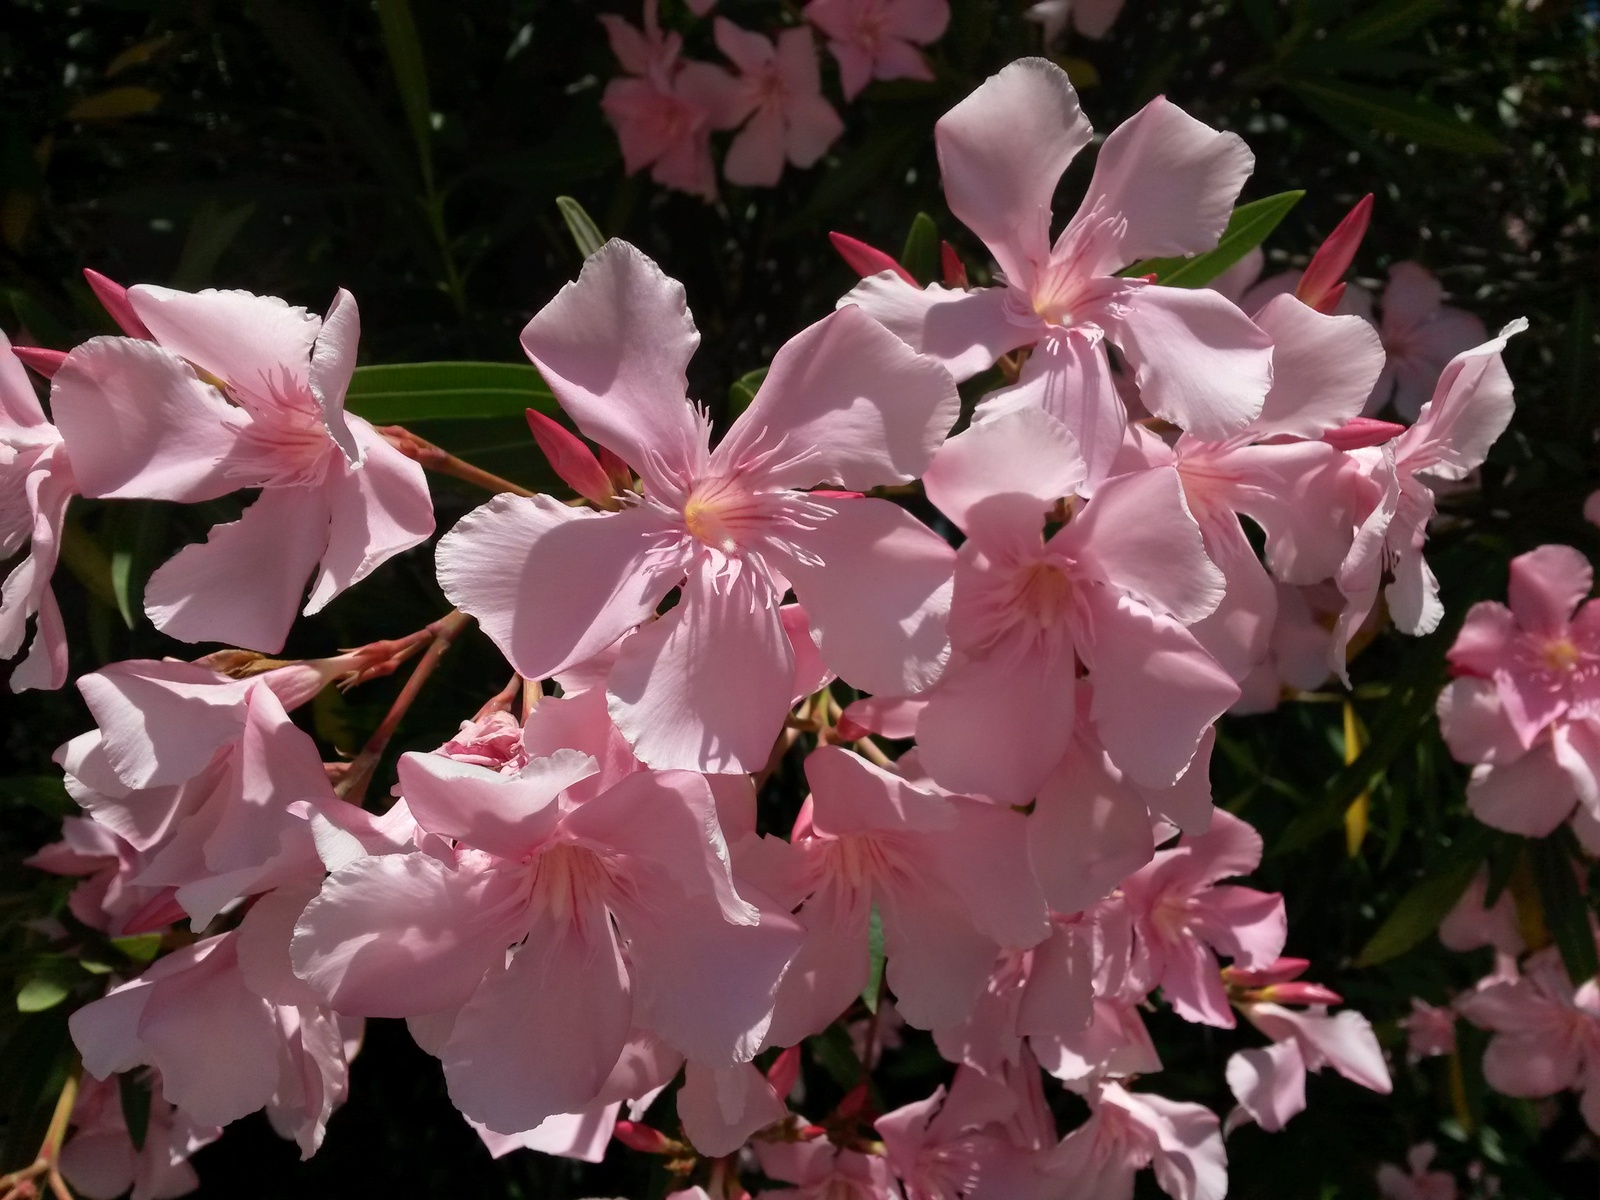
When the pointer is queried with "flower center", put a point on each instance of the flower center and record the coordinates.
(1044, 593)
(1561, 655)
(717, 512)
(569, 882)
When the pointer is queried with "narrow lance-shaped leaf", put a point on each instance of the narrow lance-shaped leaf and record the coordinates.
(403, 392)
(1422, 908)
(1566, 913)
(581, 225)
(1249, 226)
(921, 253)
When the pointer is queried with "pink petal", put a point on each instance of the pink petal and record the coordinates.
(813, 125)
(1192, 984)
(1088, 831)
(1269, 1083)
(869, 408)
(376, 512)
(937, 963)
(585, 1135)
(879, 601)
(988, 844)
(755, 159)
(1026, 453)
(748, 51)
(1530, 795)
(1199, 362)
(1424, 352)
(542, 1034)
(855, 66)
(614, 346)
(1174, 180)
(1093, 18)
(552, 585)
(1001, 152)
(243, 584)
(507, 815)
(1237, 635)
(721, 1108)
(162, 722)
(828, 972)
(706, 687)
(141, 424)
(253, 343)
(1323, 369)
(333, 362)
(1546, 587)
(265, 964)
(1475, 723)
(1248, 926)
(1471, 407)
(404, 934)
(962, 331)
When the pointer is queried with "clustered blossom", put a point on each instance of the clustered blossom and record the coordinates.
(572, 901)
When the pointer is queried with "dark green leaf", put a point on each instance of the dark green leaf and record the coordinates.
(1248, 227)
(410, 75)
(869, 994)
(1390, 21)
(406, 392)
(1566, 913)
(581, 225)
(1346, 105)
(211, 230)
(47, 793)
(836, 1055)
(921, 253)
(1263, 17)
(743, 390)
(135, 1095)
(1422, 908)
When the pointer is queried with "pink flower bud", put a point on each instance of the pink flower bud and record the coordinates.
(955, 271)
(114, 298)
(647, 1140)
(1281, 971)
(1362, 431)
(785, 1071)
(571, 459)
(867, 260)
(1300, 992)
(617, 471)
(1320, 285)
(44, 361)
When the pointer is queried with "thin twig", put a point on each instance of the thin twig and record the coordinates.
(20, 1183)
(435, 458)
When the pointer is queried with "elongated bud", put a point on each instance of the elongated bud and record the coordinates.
(1299, 992)
(855, 1104)
(955, 271)
(572, 460)
(1281, 971)
(1360, 432)
(618, 472)
(114, 298)
(1320, 286)
(645, 1139)
(46, 362)
(785, 1071)
(867, 260)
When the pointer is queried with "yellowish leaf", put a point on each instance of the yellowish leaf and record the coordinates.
(114, 104)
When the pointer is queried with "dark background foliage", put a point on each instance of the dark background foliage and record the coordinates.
(291, 148)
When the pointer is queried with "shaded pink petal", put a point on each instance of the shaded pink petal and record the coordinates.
(1173, 178)
(1023, 453)
(1475, 723)
(265, 964)
(828, 972)
(141, 423)
(962, 331)
(1199, 362)
(988, 844)
(1269, 1083)
(1323, 368)
(901, 60)
(1001, 151)
(552, 585)
(403, 934)
(1471, 407)
(376, 511)
(1422, 355)
(1192, 984)
(870, 410)
(161, 722)
(814, 126)
(755, 157)
(937, 963)
(614, 347)
(1248, 926)
(880, 599)
(251, 342)
(1530, 795)
(542, 1034)
(1238, 633)
(748, 51)
(584, 1135)
(507, 815)
(1546, 587)
(851, 795)
(1088, 831)
(855, 65)
(1342, 1040)
(1155, 690)
(243, 584)
(1093, 18)
(705, 687)
(721, 1108)
(333, 362)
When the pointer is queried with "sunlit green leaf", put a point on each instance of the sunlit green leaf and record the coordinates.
(921, 253)
(1422, 908)
(581, 225)
(869, 994)
(41, 992)
(394, 394)
(1249, 226)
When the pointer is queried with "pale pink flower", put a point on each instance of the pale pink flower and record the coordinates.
(707, 685)
(1091, 18)
(1115, 587)
(241, 391)
(1270, 1083)
(1183, 918)
(109, 899)
(778, 99)
(947, 874)
(1164, 184)
(101, 1162)
(1546, 1033)
(36, 482)
(822, 1171)
(1420, 335)
(878, 39)
(1416, 1182)
(720, 1107)
(513, 862)
(1129, 1131)
(1471, 407)
(223, 1048)
(1297, 649)
(1430, 1030)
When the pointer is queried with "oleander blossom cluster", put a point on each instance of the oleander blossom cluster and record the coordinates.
(583, 904)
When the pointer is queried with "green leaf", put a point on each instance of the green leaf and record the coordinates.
(403, 392)
(1349, 106)
(410, 76)
(1389, 22)
(1422, 908)
(869, 994)
(47, 793)
(921, 253)
(836, 1055)
(139, 947)
(211, 231)
(1248, 227)
(135, 1096)
(581, 225)
(1566, 914)
(743, 390)
(41, 992)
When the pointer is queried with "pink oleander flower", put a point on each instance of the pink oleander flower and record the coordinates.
(947, 874)
(778, 99)
(878, 39)
(664, 110)
(822, 1171)
(1546, 1033)
(1416, 1182)
(513, 862)
(229, 1029)
(1183, 918)
(1115, 587)
(1164, 184)
(706, 686)
(1270, 1083)
(1471, 407)
(1129, 1131)
(241, 391)
(720, 1107)
(109, 899)
(101, 1162)
(1091, 18)
(1297, 648)
(36, 482)
(1473, 922)
(1430, 1031)
(1421, 334)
